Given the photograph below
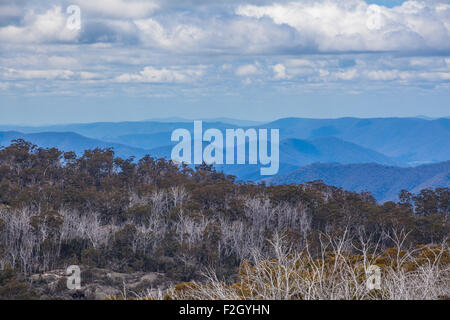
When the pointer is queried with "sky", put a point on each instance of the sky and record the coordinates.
(245, 59)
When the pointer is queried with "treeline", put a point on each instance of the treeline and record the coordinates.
(57, 209)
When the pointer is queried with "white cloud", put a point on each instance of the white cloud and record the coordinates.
(163, 75)
(300, 63)
(345, 25)
(248, 70)
(226, 67)
(322, 25)
(435, 76)
(62, 61)
(49, 26)
(14, 74)
(308, 42)
(86, 75)
(48, 74)
(389, 75)
(347, 75)
(280, 72)
(133, 9)
(323, 73)
(181, 37)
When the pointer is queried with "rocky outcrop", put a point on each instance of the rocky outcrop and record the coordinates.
(97, 284)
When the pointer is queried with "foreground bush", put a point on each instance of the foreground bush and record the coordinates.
(334, 274)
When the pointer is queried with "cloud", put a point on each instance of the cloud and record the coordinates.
(163, 75)
(280, 72)
(48, 74)
(178, 38)
(85, 75)
(324, 26)
(10, 13)
(301, 63)
(130, 9)
(354, 25)
(14, 74)
(435, 76)
(49, 26)
(347, 75)
(388, 75)
(391, 75)
(248, 70)
(326, 43)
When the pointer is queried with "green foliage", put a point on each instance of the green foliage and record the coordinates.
(50, 219)
(93, 257)
(12, 288)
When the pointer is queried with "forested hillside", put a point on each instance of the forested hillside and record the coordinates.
(100, 211)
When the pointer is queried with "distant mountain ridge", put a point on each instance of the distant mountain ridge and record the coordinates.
(356, 154)
(384, 182)
(294, 152)
(409, 141)
(236, 122)
(328, 149)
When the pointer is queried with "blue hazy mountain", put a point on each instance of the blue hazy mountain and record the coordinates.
(409, 141)
(329, 149)
(145, 141)
(342, 163)
(384, 182)
(115, 130)
(303, 152)
(294, 153)
(234, 122)
(69, 141)
(103, 130)
(347, 141)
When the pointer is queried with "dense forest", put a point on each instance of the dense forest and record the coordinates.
(151, 215)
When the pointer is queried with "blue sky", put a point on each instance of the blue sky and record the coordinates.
(258, 60)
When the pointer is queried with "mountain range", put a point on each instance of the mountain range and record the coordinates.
(377, 154)
(384, 182)
(408, 140)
